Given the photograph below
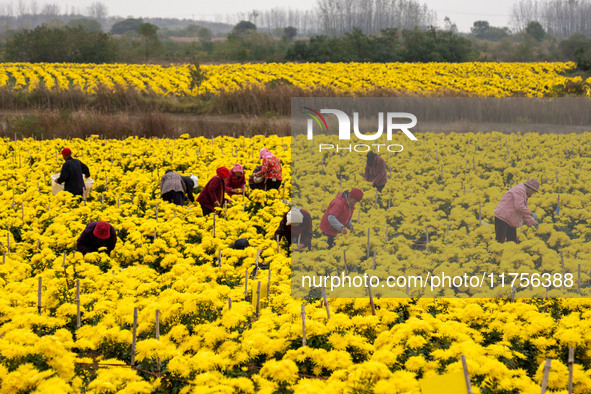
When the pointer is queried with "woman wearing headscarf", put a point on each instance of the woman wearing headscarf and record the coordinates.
(375, 171)
(235, 182)
(512, 211)
(270, 171)
(212, 195)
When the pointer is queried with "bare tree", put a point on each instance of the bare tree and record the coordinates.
(98, 11)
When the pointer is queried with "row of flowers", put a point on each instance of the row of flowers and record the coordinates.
(475, 79)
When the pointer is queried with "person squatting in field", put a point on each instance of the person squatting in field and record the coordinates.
(71, 174)
(235, 183)
(97, 235)
(338, 216)
(213, 194)
(512, 211)
(376, 171)
(172, 187)
(270, 172)
(296, 225)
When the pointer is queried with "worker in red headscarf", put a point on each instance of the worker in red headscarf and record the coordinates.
(95, 236)
(338, 216)
(236, 181)
(213, 193)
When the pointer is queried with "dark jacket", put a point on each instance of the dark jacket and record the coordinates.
(212, 192)
(189, 185)
(376, 172)
(71, 176)
(253, 185)
(88, 243)
(303, 231)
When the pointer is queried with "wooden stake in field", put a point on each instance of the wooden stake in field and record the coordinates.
(229, 303)
(258, 299)
(466, 375)
(134, 337)
(155, 234)
(158, 334)
(269, 284)
(219, 258)
(277, 242)
(446, 233)
(325, 302)
(480, 213)
(303, 313)
(546, 375)
(214, 215)
(246, 285)
(8, 241)
(78, 323)
(3, 258)
(373, 308)
(39, 296)
(571, 361)
(373, 265)
(368, 242)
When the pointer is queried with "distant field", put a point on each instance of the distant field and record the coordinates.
(426, 79)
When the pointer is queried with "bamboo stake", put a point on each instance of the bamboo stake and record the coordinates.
(571, 361)
(3, 258)
(156, 213)
(158, 334)
(219, 258)
(466, 375)
(229, 303)
(325, 302)
(373, 265)
(480, 213)
(246, 285)
(258, 298)
(373, 308)
(579, 279)
(39, 296)
(78, 323)
(134, 337)
(368, 242)
(546, 374)
(269, 284)
(155, 234)
(303, 313)
(8, 241)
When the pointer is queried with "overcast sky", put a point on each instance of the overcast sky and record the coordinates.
(461, 12)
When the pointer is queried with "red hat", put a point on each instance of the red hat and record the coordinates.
(102, 230)
(66, 152)
(357, 194)
(223, 172)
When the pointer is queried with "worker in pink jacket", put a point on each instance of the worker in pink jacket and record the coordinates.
(512, 210)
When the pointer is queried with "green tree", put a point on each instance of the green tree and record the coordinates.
(535, 30)
(289, 33)
(126, 25)
(150, 34)
(243, 27)
(86, 24)
(198, 75)
(76, 45)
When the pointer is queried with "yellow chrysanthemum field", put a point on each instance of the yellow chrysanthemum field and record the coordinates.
(211, 337)
(475, 79)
